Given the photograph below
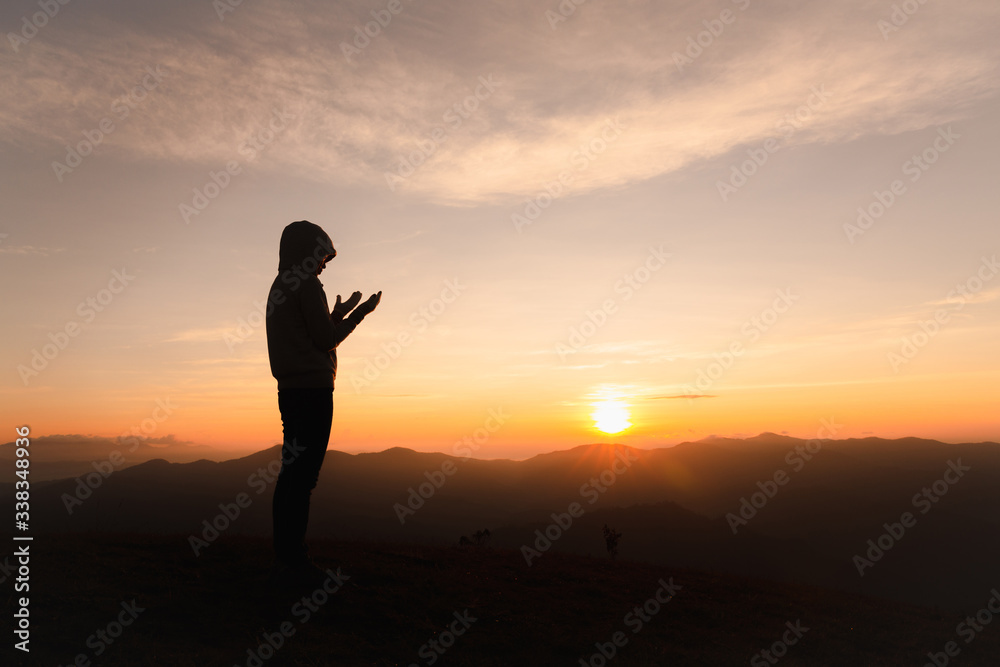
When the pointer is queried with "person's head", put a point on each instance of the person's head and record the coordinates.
(305, 248)
(322, 265)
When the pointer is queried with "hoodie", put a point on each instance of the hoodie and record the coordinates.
(302, 333)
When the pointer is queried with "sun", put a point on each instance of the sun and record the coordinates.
(611, 416)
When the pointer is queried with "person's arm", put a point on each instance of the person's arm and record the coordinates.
(325, 332)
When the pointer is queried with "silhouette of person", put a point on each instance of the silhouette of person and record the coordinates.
(302, 339)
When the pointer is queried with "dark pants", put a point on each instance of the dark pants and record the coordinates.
(306, 416)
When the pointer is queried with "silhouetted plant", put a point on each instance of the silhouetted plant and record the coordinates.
(611, 537)
(480, 538)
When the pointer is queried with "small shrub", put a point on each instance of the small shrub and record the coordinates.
(611, 537)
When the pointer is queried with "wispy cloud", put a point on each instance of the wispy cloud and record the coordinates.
(970, 297)
(29, 250)
(401, 239)
(354, 120)
(654, 398)
(215, 335)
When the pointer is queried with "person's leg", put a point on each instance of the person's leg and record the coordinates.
(306, 416)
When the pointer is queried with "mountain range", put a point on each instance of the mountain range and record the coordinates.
(908, 519)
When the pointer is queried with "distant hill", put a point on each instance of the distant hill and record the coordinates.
(675, 506)
(61, 456)
(399, 605)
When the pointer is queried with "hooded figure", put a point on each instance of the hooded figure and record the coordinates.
(302, 333)
(302, 337)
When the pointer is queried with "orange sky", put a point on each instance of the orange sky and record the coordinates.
(798, 224)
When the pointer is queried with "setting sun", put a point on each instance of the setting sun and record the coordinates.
(611, 416)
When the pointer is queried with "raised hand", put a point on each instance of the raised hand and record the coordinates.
(369, 305)
(342, 309)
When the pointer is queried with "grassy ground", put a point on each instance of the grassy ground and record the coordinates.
(216, 609)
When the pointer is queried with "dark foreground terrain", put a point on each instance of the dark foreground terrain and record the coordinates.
(684, 506)
(126, 600)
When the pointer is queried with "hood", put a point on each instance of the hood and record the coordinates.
(305, 245)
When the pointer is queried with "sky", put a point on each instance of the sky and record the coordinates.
(710, 218)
